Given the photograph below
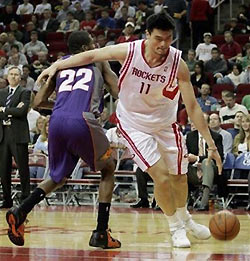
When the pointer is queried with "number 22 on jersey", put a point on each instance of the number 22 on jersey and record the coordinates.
(70, 75)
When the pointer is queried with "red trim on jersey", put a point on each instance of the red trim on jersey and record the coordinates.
(125, 135)
(126, 60)
(143, 56)
(179, 146)
(169, 80)
(131, 54)
(175, 67)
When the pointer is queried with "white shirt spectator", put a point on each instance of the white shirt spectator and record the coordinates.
(32, 48)
(85, 4)
(227, 114)
(25, 9)
(32, 117)
(41, 7)
(203, 51)
(118, 13)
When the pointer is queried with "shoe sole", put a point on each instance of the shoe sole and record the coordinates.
(14, 235)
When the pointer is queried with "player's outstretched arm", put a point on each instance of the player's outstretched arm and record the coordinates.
(111, 80)
(110, 53)
(195, 113)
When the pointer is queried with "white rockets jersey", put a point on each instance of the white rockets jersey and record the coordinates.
(148, 97)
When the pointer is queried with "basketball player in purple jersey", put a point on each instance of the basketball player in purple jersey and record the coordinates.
(74, 133)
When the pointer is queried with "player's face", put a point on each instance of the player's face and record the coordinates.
(159, 41)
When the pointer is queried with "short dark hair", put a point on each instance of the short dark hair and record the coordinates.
(77, 39)
(15, 46)
(162, 21)
(215, 49)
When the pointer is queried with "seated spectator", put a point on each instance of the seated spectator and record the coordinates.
(191, 61)
(41, 146)
(243, 15)
(11, 41)
(41, 7)
(36, 132)
(105, 22)
(200, 170)
(34, 46)
(14, 28)
(25, 8)
(206, 101)
(128, 34)
(14, 61)
(65, 8)
(230, 50)
(227, 113)
(79, 13)
(3, 83)
(233, 27)
(26, 75)
(120, 23)
(29, 28)
(245, 60)
(69, 25)
(89, 23)
(236, 77)
(237, 123)
(48, 24)
(246, 101)
(159, 6)
(9, 15)
(15, 50)
(203, 50)
(85, 4)
(216, 65)
(101, 40)
(199, 76)
(131, 9)
(142, 178)
(3, 38)
(3, 62)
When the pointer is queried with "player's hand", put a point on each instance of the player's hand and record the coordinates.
(47, 74)
(214, 154)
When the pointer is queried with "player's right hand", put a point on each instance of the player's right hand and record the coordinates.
(46, 75)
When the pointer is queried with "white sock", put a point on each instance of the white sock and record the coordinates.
(183, 214)
(174, 222)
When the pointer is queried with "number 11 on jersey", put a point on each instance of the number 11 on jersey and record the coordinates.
(147, 87)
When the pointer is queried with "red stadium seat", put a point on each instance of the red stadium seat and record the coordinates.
(218, 39)
(242, 90)
(218, 88)
(226, 126)
(54, 37)
(25, 18)
(242, 39)
(57, 47)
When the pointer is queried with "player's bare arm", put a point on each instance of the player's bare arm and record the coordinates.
(195, 113)
(42, 97)
(110, 53)
(111, 80)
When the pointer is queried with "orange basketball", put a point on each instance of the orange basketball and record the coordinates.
(224, 225)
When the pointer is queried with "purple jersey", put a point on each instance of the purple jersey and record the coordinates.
(79, 90)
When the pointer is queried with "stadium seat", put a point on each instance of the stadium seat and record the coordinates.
(54, 37)
(218, 88)
(226, 126)
(242, 90)
(242, 39)
(218, 39)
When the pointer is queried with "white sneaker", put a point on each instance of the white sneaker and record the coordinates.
(179, 238)
(197, 230)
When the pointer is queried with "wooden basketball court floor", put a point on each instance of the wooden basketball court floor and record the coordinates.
(58, 233)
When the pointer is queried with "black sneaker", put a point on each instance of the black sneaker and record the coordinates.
(141, 204)
(16, 218)
(104, 240)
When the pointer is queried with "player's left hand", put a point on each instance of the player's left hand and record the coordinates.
(214, 154)
(47, 74)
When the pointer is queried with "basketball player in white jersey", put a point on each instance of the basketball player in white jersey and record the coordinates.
(151, 79)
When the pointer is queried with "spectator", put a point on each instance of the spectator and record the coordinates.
(243, 15)
(37, 130)
(25, 8)
(200, 170)
(233, 26)
(62, 14)
(142, 179)
(105, 22)
(14, 28)
(131, 9)
(216, 65)
(159, 6)
(9, 15)
(89, 23)
(29, 27)
(15, 50)
(3, 38)
(14, 61)
(128, 34)
(3, 83)
(48, 24)
(32, 118)
(191, 61)
(69, 25)
(11, 41)
(199, 77)
(199, 15)
(26, 75)
(34, 46)
(41, 146)
(227, 113)
(3, 62)
(214, 123)
(79, 14)
(85, 4)
(235, 78)
(101, 40)
(237, 123)
(206, 101)
(41, 7)
(246, 101)
(100, 5)
(230, 50)
(203, 50)
(120, 23)
(245, 61)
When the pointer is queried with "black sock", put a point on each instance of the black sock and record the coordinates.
(34, 198)
(103, 216)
